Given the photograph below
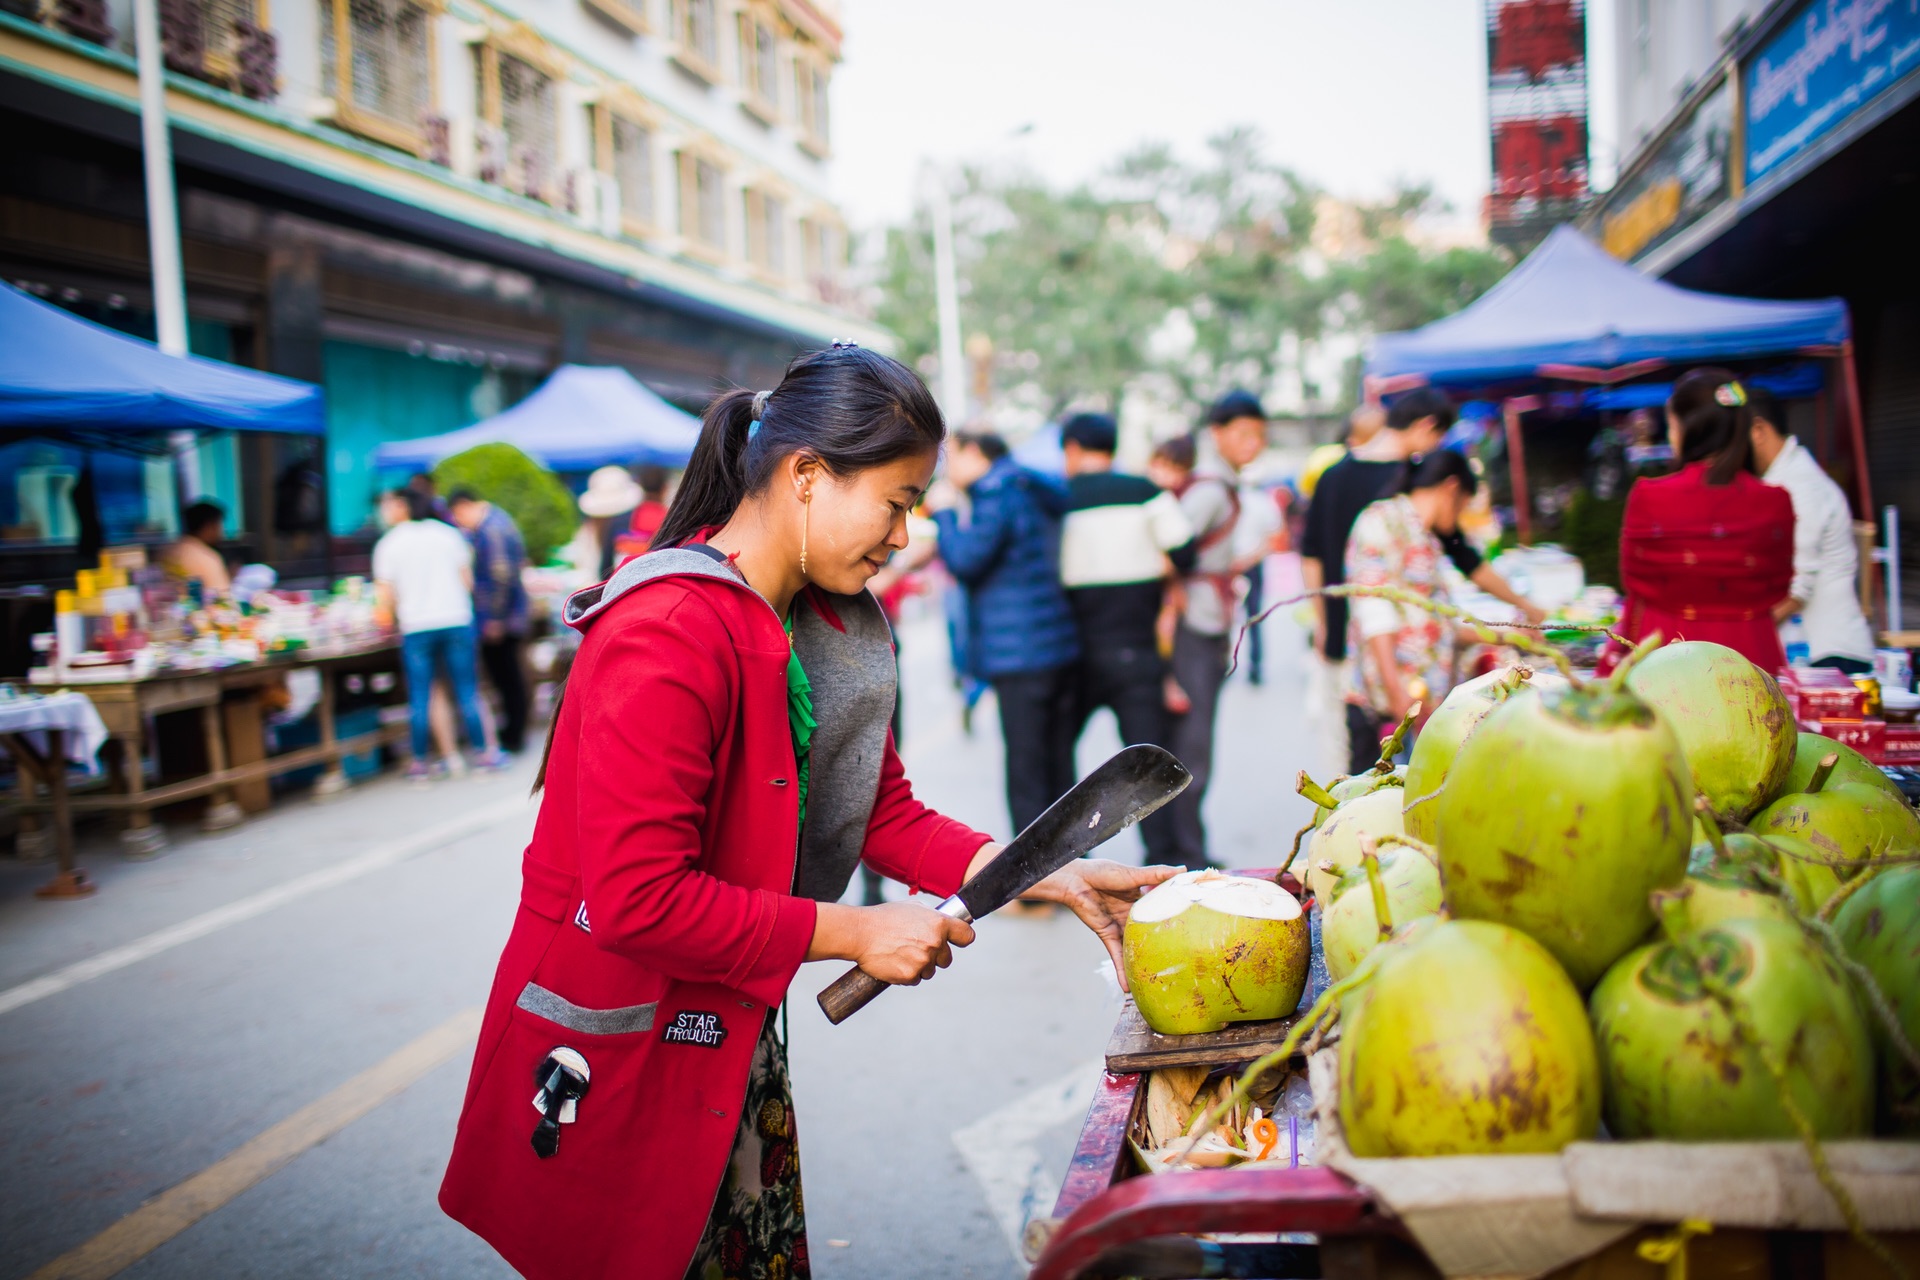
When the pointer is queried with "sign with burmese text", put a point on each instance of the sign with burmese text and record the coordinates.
(1825, 65)
(1537, 103)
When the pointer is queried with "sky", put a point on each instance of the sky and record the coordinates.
(1353, 94)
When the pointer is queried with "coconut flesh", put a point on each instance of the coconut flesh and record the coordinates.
(1674, 1066)
(1468, 1039)
(1205, 949)
(1456, 717)
(1349, 929)
(1735, 727)
(1561, 814)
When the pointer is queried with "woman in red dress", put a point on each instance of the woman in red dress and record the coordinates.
(1705, 553)
(720, 765)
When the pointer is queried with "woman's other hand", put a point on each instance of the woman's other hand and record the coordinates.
(898, 942)
(1101, 893)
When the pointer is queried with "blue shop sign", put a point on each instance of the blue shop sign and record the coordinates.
(1834, 58)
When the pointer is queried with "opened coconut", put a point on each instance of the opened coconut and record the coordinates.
(1205, 949)
(1349, 928)
(1675, 1067)
(1456, 717)
(1467, 1039)
(1561, 813)
(1735, 727)
(1880, 928)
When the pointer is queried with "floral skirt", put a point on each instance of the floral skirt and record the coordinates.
(758, 1227)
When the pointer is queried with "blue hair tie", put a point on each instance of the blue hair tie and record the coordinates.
(753, 428)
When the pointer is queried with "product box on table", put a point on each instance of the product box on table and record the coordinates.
(1820, 693)
(1868, 737)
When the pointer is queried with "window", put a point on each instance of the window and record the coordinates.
(519, 140)
(810, 103)
(376, 57)
(222, 41)
(766, 232)
(696, 33)
(822, 254)
(626, 152)
(628, 14)
(760, 67)
(703, 213)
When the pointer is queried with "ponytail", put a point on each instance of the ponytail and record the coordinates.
(1716, 422)
(715, 481)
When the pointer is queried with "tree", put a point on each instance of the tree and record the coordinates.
(525, 490)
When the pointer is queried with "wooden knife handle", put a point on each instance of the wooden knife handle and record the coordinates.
(851, 992)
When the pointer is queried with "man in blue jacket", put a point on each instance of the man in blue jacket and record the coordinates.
(1020, 630)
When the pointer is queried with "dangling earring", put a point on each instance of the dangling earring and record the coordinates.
(806, 521)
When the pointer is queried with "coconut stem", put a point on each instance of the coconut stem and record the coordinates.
(1391, 747)
(1823, 771)
(1314, 791)
(1370, 859)
(1743, 1028)
(1839, 898)
(1293, 854)
(1618, 680)
(1704, 812)
(1670, 908)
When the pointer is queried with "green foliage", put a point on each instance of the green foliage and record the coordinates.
(536, 499)
(1084, 290)
(1590, 530)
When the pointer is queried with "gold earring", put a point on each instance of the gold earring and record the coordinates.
(806, 521)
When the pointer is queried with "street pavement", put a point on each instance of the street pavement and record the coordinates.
(194, 1035)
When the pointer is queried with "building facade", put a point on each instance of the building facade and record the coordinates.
(1772, 149)
(427, 205)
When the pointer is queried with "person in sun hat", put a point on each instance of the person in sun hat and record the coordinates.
(608, 504)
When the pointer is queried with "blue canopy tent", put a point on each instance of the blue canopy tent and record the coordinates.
(581, 418)
(1573, 313)
(58, 370)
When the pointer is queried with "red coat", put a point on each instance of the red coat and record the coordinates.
(657, 925)
(1705, 562)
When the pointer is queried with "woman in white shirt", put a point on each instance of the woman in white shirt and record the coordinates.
(423, 574)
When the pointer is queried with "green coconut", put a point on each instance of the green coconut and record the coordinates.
(1851, 769)
(1799, 867)
(1344, 789)
(1205, 949)
(1730, 893)
(1336, 845)
(1467, 1039)
(1879, 927)
(1456, 717)
(1735, 727)
(1561, 814)
(1675, 1067)
(1849, 826)
(1349, 929)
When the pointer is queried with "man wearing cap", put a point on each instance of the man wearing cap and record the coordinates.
(1121, 540)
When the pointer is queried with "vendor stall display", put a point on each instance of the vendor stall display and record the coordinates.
(44, 734)
(1661, 909)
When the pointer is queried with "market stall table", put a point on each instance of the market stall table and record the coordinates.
(238, 771)
(44, 735)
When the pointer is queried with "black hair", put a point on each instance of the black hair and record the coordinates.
(460, 495)
(1715, 422)
(419, 505)
(1766, 407)
(1094, 432)
(200, 515)
(1237, 403)
(651, 478)
(991, 443)
(1421, 402)
(849, 407)
(422, 482)
(1430, 470)
(1177, 451)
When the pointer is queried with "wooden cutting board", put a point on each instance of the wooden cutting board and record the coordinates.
(1137, 1047)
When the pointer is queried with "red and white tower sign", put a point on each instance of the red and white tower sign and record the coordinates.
(1537, 101)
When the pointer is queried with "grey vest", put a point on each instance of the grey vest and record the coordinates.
(854, 683)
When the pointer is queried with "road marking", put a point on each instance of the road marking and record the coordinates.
(998, 1149)
(173, 1211)
(266, 900)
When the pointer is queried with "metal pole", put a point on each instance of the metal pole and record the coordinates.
(1892, 517)
(953, 372)
(163, 218)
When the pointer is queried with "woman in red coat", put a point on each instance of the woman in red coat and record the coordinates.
(720, 765)
(1707, 552)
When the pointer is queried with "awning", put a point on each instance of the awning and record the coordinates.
(1572, 312)
(60, 371)
(582, 417)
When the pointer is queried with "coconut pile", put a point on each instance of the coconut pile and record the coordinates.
(1645, 907)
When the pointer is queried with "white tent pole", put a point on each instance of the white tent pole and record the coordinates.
(163, 219)
(953, 369)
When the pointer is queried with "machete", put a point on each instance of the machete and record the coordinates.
(1112, 798)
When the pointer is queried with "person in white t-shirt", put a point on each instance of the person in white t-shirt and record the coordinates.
(1826, 561)
(423, 574)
